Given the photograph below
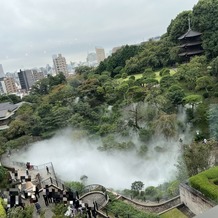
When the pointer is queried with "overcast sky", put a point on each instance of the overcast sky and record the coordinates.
(31, 31)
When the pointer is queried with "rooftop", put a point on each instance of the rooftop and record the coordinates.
(190, 33)
(8, 106)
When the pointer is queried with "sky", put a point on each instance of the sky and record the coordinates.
(32, 31)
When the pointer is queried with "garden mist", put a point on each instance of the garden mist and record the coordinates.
(74, 155)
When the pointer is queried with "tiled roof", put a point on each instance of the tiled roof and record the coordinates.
(189, 33)
(3, 113)
(7, 106)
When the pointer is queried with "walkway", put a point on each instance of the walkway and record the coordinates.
(34, 173)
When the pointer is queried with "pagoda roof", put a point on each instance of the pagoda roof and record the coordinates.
(190, 33)
(189, 44)
(191, 53)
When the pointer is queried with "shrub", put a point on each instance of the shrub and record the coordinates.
(2, 173)
(118, 76)
(132, 77)
(148, 71)
(205, 183)
(2, 210)
(124, 75)
(206, 95)
(165, 72)
(145, 134)
(215, 94)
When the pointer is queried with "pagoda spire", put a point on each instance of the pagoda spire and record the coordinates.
(189, 23)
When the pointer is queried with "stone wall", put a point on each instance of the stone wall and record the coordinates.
(194, 200)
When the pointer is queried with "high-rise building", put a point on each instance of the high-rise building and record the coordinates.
(2, 86)
(37, 75)
(100, 54)
(2, 74)
(28, 78)
(10, 85)
(60, 64)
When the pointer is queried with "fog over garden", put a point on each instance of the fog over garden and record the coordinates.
(74, 155)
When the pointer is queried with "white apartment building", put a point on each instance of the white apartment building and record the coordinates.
(60, 64)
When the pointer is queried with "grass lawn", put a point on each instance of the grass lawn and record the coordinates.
(174, 213)
(158, 77)
(138, 76)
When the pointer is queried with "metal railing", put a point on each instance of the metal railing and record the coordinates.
(93, 187)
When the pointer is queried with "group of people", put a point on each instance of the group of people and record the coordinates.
(73, 210)
(52, 195)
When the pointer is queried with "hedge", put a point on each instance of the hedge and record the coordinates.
(2, 210)
(204, 182)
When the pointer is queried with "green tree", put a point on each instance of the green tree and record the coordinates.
(214, 67)
(175, 94)
(41, 87)
(197, 156)
(83, 69)
(17, 129)
(2, 173)
(76, 186)
(137, 186)
(19, 212)
(10, 98)
(203, 82)
(166, 125)
(2, 209)
(213, 121)
(151, 190)
(205, 18)
(167, 81)
(59, 210)
(192, 100)
(178, 26)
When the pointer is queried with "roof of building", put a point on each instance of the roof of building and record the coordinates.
(3, 113)
(190, 44)
(211, 213)
(191, 53)
(190, 33)
(8, 106)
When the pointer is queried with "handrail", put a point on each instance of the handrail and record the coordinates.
(93, 187)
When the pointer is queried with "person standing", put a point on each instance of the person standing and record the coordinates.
(46, 200)
(37, 192)
(47, 169)
(38, 207)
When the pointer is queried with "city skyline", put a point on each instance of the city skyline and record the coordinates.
(33, 31)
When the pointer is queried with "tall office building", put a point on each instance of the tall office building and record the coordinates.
(10, 85)
(60, 64)
(2, 74)
(28, 78)
(100, 54)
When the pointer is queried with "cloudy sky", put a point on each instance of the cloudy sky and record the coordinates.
(31, 31)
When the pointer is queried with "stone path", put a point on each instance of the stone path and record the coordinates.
(99, 198)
